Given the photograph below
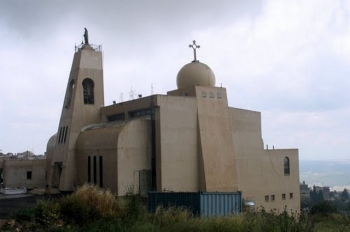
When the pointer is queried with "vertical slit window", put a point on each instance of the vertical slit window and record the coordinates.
(95, 170)
(101, 171)
(89, 169)
(65, 134)
(88, 90)
(286, 166)
(60, 135)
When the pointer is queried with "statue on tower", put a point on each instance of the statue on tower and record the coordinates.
(86, 36)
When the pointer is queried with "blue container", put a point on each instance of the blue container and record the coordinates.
(203, 204)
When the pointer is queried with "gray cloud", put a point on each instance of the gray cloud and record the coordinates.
(286, 59)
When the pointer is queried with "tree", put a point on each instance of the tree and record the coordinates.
(316, 196)
(345, 195)
(323, 208)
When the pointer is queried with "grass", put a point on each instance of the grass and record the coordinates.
(93, 209)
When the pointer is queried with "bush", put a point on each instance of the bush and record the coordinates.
(88, 204)
(24, 215)
(167, 217)
(47, 213)
(324, 209)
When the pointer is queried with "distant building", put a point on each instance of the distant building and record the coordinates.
(29, 173)
(188, 140)
(325, 191)
(304, 190)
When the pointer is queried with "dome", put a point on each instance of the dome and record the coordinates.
(195, 73)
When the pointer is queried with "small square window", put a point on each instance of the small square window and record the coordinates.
(211, 94)
(290, 195)
(266, 198)
(272, 197)
(219, 95)
(204, 94)
(283, 196)
(29, 175)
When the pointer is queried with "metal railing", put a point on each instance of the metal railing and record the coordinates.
(97, 48)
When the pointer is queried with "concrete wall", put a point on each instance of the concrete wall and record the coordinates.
(177, 150)
(124, 149)
(134, 154)
(87, 64)
(260, 172)
(215, 141)
(277, 183)
(15, 173)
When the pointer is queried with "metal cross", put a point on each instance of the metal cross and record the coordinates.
(194, 46)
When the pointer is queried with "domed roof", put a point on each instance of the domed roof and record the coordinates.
(195, 73)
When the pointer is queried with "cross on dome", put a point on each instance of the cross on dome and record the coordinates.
(194, 46)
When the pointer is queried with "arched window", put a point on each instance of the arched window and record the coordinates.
(286, 166)
(88, 87)
(69, 93)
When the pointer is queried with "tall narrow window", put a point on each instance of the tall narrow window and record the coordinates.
(89, 169)
(65, 134)
(286, 166)
(95, 170)
(88, 88)
(69, 93)
(60, 135)
(101, 171)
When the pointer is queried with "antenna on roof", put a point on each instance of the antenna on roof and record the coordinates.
(121, 97)
(131, 94)
(151, 89)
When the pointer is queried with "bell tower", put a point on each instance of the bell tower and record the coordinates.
(81, 107)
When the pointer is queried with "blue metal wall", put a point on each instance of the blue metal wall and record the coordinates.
(203, 204)
(220, 204)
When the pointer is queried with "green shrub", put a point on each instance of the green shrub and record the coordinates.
(324, 208)
(27, 214)
(87, 205)
(167, 217)
(47, 213)
(132, 207)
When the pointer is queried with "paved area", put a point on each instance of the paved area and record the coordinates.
(9, 204)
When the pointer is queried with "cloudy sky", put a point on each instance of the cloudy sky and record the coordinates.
(288, 59)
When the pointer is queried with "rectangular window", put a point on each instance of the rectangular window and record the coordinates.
(219, 95)
(283, 196)
(116, 117)
(140, 113)
(95, 171)
(211, 94)
(266, 198)
(204, 94)
(29, 175)
(89, 169)
(101, 171)
(290, 195)
(272, 197)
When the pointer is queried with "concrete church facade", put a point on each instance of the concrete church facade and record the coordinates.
(186, 141)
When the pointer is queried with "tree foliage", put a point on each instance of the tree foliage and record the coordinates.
(345, 195)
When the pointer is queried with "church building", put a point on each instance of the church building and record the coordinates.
(188, 140)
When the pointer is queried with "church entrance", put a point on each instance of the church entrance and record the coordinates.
(56, 175)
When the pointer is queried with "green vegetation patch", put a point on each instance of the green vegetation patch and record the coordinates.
(93, 209)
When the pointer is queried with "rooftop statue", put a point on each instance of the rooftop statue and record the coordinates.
(86, 36)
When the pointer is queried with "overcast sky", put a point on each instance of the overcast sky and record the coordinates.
(288, 59)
